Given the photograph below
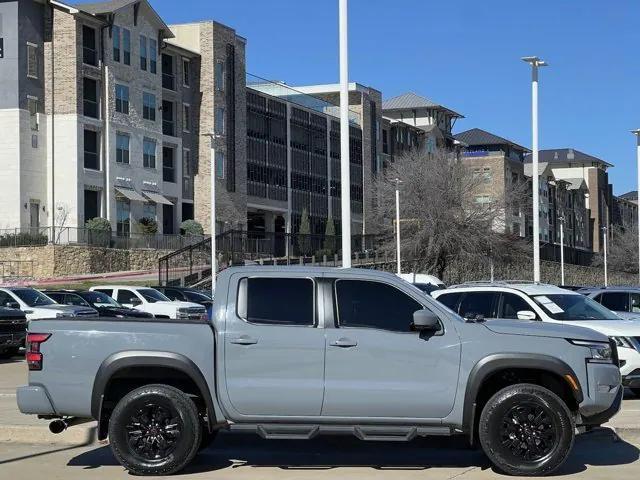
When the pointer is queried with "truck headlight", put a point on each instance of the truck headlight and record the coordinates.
(600, 352)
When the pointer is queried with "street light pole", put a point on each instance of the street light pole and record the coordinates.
(561, 220)
(637, 134)
(535, 62)
(212, 178)
(399, 264)
(606, 274)
(345, 180)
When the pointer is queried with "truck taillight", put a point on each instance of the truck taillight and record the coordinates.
(34, 357)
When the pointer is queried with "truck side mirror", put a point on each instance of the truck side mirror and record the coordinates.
(425, 320)
(136, 301)
(526, 315)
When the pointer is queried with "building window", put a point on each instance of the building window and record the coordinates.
(91, 204)
(219, 164)
(123, 217)
(168, 120)
(116, 43)
(153, 55)
(186, 162)
(186, 72)
(33, 107)
(168, 164)
(91, 160)
(149, 211)
(32, 60)
(487, 176)
(90, 97)
(148, 153)
(126, 46)
(143, 52)
(219, 76)
(168, 75)
(122, 99)
(89, 55)
(186, 117)
(149, 106)
(122, 148)
(219, 121)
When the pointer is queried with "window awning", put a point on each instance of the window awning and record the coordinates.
(130, 194)
(157, 198)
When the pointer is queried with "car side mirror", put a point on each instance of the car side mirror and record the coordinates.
(14, 305)
(425, 320)
(526, 315)
(135, 302)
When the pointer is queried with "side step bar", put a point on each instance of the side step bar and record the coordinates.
(380, 433)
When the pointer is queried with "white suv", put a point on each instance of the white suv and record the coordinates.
(152, 301)
(530, 301)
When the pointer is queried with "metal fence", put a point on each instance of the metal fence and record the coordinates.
(16, 269)
(191, 264)
(34, 237)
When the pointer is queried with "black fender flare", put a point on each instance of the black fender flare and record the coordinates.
(501, 361)
(141, 358)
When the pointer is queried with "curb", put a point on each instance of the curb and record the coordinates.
(79, 435)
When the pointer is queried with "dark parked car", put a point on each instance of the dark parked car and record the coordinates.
(103, 303)
(13, 330)
(186, 294)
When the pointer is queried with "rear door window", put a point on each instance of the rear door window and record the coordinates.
(635, 302)
(277, 301)
(450, 300)
(615, 301)
(106, 291)
(476, 304)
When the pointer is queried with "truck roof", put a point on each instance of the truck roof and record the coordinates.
(334, 271)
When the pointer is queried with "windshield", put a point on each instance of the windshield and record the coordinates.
(573, 307)
(33, 298)
(152, 296)
(197, 296)
(99, 299)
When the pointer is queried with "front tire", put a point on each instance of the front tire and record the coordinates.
(155, 430)
(526, 430)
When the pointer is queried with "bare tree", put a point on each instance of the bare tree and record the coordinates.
(622, 253)
(442, 212)
(60, 221)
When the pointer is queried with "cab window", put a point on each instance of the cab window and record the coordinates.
(476, 304)
(615, 301)
(511, 304)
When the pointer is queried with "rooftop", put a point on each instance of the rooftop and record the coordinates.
(101, 9)
(477, 136)
(568, 155)
(412, 101)
(631, 196)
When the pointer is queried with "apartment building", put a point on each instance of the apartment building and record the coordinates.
(104, 110)
(574, 166)
(500, 164)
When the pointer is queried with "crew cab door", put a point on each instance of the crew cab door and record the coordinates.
(376, 366)
(273, 348)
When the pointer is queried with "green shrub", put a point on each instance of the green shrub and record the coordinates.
(191, 227)
(148, 226)
(98, 232)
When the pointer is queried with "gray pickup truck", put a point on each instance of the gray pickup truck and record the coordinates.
(291, 353)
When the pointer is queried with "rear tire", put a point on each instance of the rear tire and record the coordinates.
(526, 430)
(155, 430)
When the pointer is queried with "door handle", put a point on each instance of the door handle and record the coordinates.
(344, 343)
(244, 340)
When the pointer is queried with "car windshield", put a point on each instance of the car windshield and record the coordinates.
(32, 297)
(573, 307)
(99, 299)
(151, 295)
(197, 296)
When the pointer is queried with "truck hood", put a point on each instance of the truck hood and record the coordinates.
(178, 304)
(75, 309)
(613, 328)
(537, 328)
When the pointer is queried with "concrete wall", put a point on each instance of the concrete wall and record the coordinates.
(63, 260)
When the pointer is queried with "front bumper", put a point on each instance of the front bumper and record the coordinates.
(603, 395)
